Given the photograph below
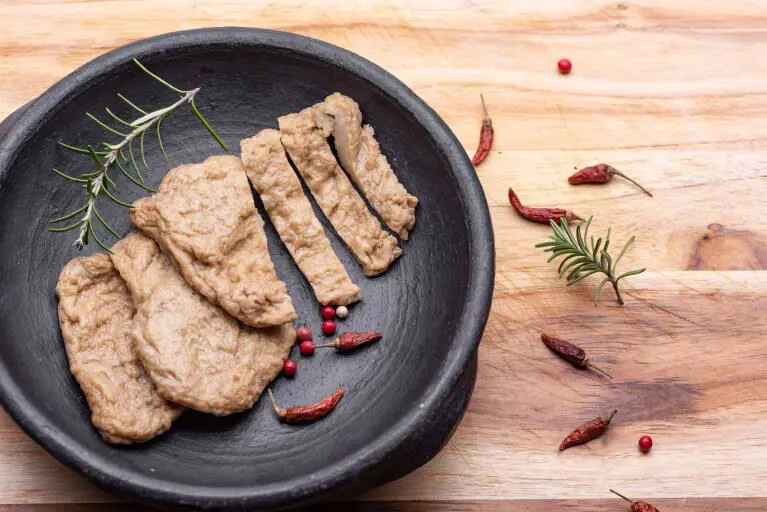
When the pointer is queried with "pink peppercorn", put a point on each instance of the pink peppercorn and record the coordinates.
(645, 444)
(328, 312)
(564, 66)
(304, 333)
(328, 327)
(306, 348)
(289, 368)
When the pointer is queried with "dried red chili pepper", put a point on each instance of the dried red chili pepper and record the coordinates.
(486, 135)
(587, 432)
(571, 353)
(351, 340)
(307, 413)
(601, 173)
(637, 506)
(543, 215)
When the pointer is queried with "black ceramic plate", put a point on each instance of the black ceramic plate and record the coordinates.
(405, 394)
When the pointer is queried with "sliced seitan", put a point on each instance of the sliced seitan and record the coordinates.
(96, 318)
(371, 245)
(292, 216)
(205, 219)
(361, 156)
(196, 354)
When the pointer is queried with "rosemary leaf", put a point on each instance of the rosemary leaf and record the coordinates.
(556, 255)
(579, 277)
(562, 269)
(578, 261)
(109, 181)
(113, 198)
(143, 154)
(630, 273)
(78, 150)
(91, 175)
(67, 228)
(579, 236)
(159, 138)
(582, 259)
(97, 239)
(69, 215)
(207, 125)
(106, 224)
(104, 125)
(95, 156)
(134, 180)
(607, 262)
(595, 248)
(599, 290)
(623, 251)
(133, 161)
(118, 118)
(165, 83)
(68, 177)
(129, 102)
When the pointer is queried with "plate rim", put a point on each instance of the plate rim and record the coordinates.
(470, 326)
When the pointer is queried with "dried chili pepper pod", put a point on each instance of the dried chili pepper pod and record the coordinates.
(486, 135)
(350, 340)
(587, 432)
(542, 215)
(571, 353)
(601, 173)
(307, 413)
(637, 506)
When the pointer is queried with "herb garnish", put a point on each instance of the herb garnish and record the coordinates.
(98, 181)
(581, 259)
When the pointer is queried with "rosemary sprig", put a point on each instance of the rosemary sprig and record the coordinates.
(97, 182)
(583, 256)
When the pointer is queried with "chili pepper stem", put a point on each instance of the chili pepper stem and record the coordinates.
(600, 370)
(615, 171)
(610, 417)
(277, 410)
(334, 343)
(621, 496)
(485, 114)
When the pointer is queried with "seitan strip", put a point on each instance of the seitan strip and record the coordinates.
(96, 317)
(196, 354)
(361, 156)
(292, 216)
(205, 219)
(374, 248)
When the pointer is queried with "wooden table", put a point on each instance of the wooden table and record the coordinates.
(674, 93)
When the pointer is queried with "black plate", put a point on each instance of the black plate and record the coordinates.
(405, 394)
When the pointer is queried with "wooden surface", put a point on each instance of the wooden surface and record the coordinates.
(674, 93)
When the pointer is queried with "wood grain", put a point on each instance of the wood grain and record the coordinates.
(673, 93)
(696, 505)
(721, 248)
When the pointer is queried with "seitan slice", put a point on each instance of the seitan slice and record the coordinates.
(272, 176)
(96, 317)
(361, 156)
(371, 245)
(196, 354)
(205, 219)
